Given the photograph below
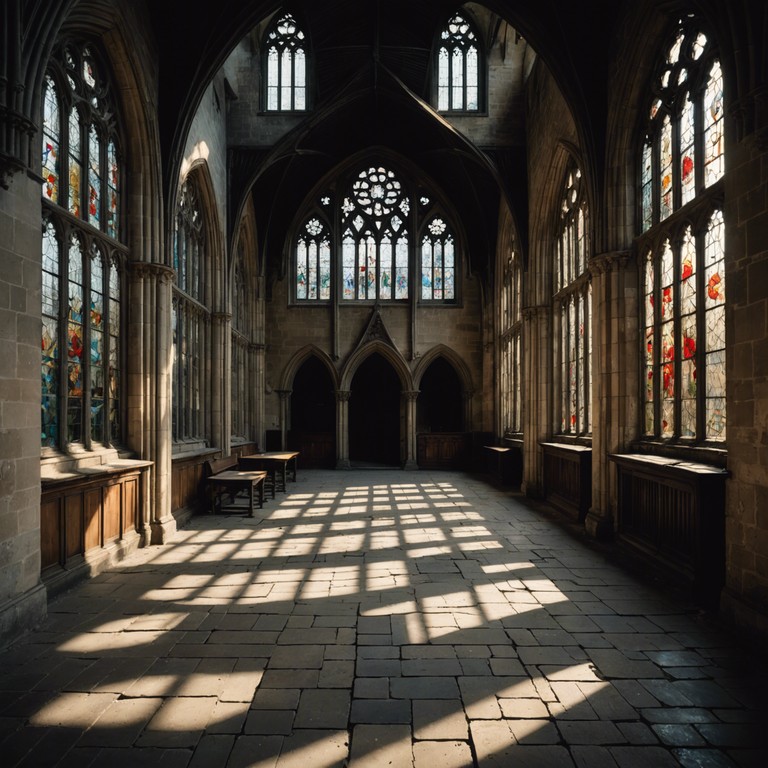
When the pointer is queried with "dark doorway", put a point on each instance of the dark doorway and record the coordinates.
(313, 416)
(374, 414)
(441, 442)
(439, 407)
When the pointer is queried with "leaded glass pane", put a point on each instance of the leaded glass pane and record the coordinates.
(348, 265)
(647, 188)
(97, 321)
(273, 79)
(51, 141)
(49, 431)
(458, 67)
(473, 79)
(113, 375)
(113, 175)
(75, 336)
(687, 153)
(385, 271)
(311, 251)
(665, 164)
(324, 269)
(75, 164)
(713, 126)
(94, 177)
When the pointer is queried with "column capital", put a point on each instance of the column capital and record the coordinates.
(600, 263)
(148, 269)
(221, 317)
(343, 395)
(534, 311)
(410, 394)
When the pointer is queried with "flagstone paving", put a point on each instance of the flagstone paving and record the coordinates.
(380, 618)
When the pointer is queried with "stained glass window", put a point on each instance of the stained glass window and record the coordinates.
(683, 148)
(374, 237)
(371, 256)
(438, 262)
(458, 67)
(573, 309)
(313, 262)
(191, 317)
(683, 313)
(81, 384)
(285, 65)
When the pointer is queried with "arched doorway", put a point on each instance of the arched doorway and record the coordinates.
(374, 414)
(313, 415)
(441, 441)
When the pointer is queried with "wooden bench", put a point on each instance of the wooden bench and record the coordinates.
(223, 476)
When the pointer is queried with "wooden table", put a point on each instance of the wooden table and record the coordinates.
(237, 480)
(272, 461)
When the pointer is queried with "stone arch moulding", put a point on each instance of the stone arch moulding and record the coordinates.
(389, 353)
(456, 361)
(294, 364)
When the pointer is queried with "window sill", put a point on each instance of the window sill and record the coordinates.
(709, 455)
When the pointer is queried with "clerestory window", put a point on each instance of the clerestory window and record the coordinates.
(682, 245)
(458, 67)
(83, 257)
(285, 64)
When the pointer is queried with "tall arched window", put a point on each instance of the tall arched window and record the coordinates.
(374, 237)
(438, 262)
(573, 310)
(458, 67)
(683, 244)
(285, 66)
(191, 317)
(83, 258)
(511, 325)
(388, 237)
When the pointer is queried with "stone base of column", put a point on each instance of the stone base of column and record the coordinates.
(343, 464)
(22, 613)
(410, 464)
(599, 525)
(163, 529)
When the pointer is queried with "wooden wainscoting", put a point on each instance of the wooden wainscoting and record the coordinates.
(672, 512)
(88, 518)
(443, 450)
(188, 484)
(317, 449)
(568, 478)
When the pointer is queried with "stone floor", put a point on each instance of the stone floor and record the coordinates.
(372, 619)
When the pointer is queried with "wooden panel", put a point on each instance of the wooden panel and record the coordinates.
(443, 450)
(187, 482)
(112, 512)
(568, 478)
(92, 509)
(73, 525)
(50, 533)
(317, 449)
(131, 504)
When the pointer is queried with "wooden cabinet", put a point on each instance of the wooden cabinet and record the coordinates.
(443, 450)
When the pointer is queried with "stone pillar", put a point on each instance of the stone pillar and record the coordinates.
(221, 380)
(22, 596)
(409, 400)
(466, 398)
(150, 367)
(536, 393)
(614, 380)
(342, 428)
(285, 399)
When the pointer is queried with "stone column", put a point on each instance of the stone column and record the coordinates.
(409, 399)
(614, 381)
(221, 380)
(150, 367)
(285, 399)
(466, 399)
(536, 393)
(342, 428)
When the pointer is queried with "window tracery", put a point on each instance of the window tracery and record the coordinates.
(683, 246)
(573, 310)
(286, 66)
(83, 260)
(458, 67)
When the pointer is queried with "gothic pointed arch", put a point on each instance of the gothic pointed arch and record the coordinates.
(453, 358)
(388, 352)
(299, 358)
